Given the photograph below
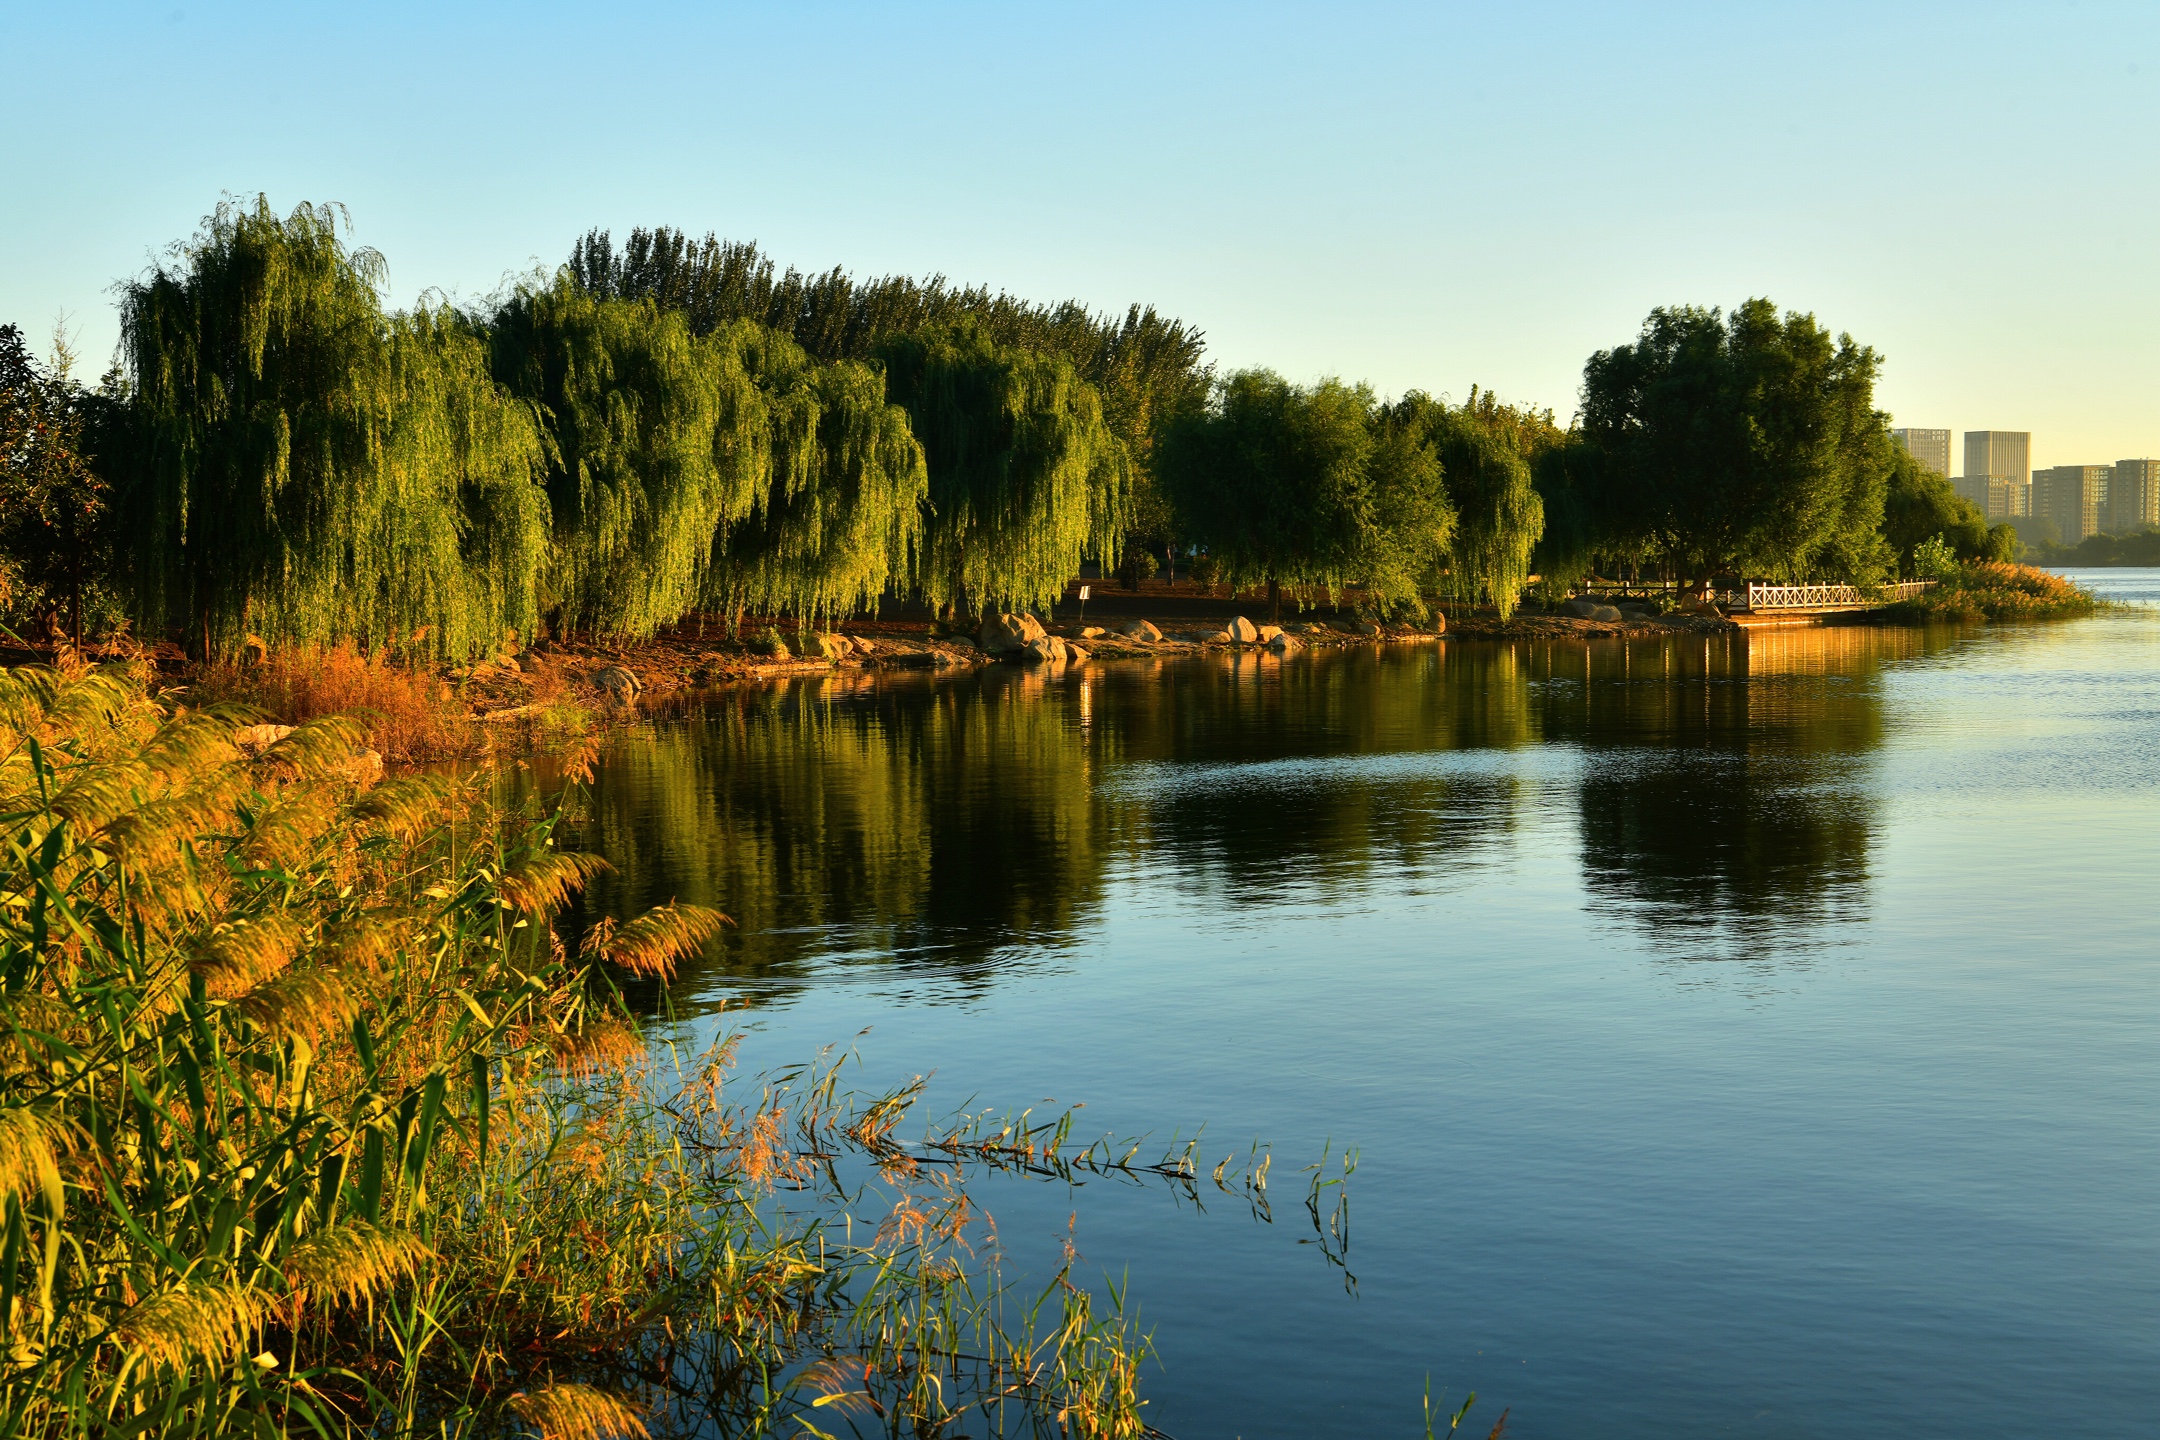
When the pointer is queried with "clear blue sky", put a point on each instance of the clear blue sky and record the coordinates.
(1417, 195)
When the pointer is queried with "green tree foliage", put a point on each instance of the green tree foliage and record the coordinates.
(660, 439)
(2140, 547)
(839, 515)
(1486, 451)
(1413, 517)
(1274, 478)
(1312, 486)
(1919, 504)
(1747, 443)
(1026, 477)
(53, 504)
(1580, 530)
(1143, 364)
(304, 468)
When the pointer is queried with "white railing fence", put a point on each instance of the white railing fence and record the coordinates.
(1822, 597)
(1757, 596)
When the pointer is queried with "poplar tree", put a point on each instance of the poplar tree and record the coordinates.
(301, 468)
(53, 502)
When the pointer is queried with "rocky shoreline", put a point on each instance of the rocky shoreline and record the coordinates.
(611, 678)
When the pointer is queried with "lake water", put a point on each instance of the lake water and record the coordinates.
(1753, 1036)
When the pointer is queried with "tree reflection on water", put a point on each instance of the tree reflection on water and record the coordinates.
(1720, 788)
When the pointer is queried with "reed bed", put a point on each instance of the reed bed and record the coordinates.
(2001, 590)
(316, 1120)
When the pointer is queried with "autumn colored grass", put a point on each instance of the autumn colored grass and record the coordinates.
(315, 1118)
(411, 714)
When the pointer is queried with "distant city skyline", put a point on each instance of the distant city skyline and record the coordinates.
(2079, 500)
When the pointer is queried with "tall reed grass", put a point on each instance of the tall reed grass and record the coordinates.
(2001, 590)
(314, 1122)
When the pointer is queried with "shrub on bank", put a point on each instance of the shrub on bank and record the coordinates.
(2000, 590)
(411, 713)
(314, 1119)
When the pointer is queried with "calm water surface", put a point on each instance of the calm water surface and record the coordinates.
(1741, 1037)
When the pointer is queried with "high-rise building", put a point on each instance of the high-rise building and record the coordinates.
(1998, 473)
(2006, 454)
(2074, 497)
(1998, 498)
(1930, 447)
(2133, 496)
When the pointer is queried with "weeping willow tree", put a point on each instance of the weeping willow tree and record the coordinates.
(660, 440)
(1144, 365)
(839, 513)
(1026, 477)
(1407, 540)
(462, 536)
(1488, 452)
(305, 469)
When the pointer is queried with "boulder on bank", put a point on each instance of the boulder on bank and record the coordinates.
(1008, 634)
(254, 739)
(1092, 632)
(831, 647)
(1144, 631)
(1283, 644)
(1242, 631)
(620, 686)
(1045, 650)
(1439, 623)
(1269, 632)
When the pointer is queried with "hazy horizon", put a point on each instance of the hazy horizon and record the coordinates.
(1413, 197)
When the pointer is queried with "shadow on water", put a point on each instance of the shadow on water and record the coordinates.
(968, 825)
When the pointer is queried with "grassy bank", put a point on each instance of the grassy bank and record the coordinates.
(1998, 590)
(315, 1118)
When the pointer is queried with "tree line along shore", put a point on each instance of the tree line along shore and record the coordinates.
(674, 429)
